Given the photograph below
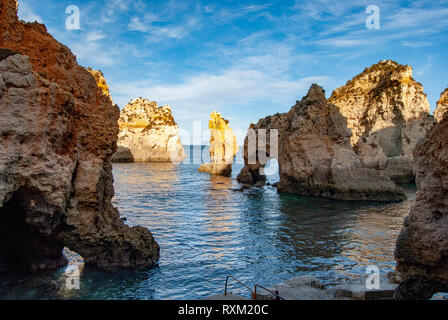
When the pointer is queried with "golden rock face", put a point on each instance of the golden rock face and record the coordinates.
(442, 106)
(145, 114)
(100, 81)
(223, 146)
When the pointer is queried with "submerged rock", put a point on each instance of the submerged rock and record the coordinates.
(148, 132)
(58, 132)
(422, 245)
(388, 113)
(314, 154)
(442, 106)
(223, 147)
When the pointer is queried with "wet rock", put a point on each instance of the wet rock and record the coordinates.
(148, 132)
(223, 147)
(387, 112)
(314, 155)
(58, 132)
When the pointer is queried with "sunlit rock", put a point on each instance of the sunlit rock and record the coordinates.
(442, 106)
(223, 147)
(388, 113)
(148, 132)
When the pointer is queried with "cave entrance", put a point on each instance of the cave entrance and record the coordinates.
(27, 243)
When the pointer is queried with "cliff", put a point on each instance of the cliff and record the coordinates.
(422, 245)
(148, 132)
(58, 132)
(223, 146)
(387, 112)
(442, 106)
(314, 154)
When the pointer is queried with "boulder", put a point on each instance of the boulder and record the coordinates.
(148, 132)
(58, 132)
(314, 154)
(388, 113)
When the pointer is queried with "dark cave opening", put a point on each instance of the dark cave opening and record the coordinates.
(27, 243)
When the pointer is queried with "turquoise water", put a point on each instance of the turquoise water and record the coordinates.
(208, 230)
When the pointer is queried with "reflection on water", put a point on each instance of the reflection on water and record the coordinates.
(208, 230)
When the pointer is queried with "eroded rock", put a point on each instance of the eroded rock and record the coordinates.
(388, 113)
(57, 135)
(422, 246)
(148, 132)
(223, 147)
(442, 106)
(314, 154)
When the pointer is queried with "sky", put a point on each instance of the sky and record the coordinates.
(244, 59)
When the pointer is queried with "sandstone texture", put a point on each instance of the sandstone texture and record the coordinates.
(148, 132)
(388, 113)
(314, 154)
(442, 106)
(100, 81)
(223, 147)
(422, 246)
(58, 132)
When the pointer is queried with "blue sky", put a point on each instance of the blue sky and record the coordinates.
(245, 59)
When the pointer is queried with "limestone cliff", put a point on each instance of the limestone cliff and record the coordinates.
(57, 135)
(223, 147)
(422, 247)
(314, 154)
(100, 81)
(388, 113)
(442, 106)
(148, 133)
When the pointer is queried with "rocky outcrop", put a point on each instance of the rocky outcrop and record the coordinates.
(57, 135)
(388, 113)
(148, 133)
(223, 147)
(314, 154)
(422, 246)
(100, 81)
(442, 106)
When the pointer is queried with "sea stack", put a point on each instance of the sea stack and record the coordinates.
(388, 113)
(314, 154)
(422, 246)
(223, 147)
(442, 106)
(58, 132)
(148, 132)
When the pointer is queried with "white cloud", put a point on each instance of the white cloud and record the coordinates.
(95, 36)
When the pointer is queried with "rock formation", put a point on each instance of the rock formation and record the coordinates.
(148, 133)
(314, 154)
(422, 246)
(57, 135)
(223, 147)
(388, 113)
(100, 81)
(442, 106)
